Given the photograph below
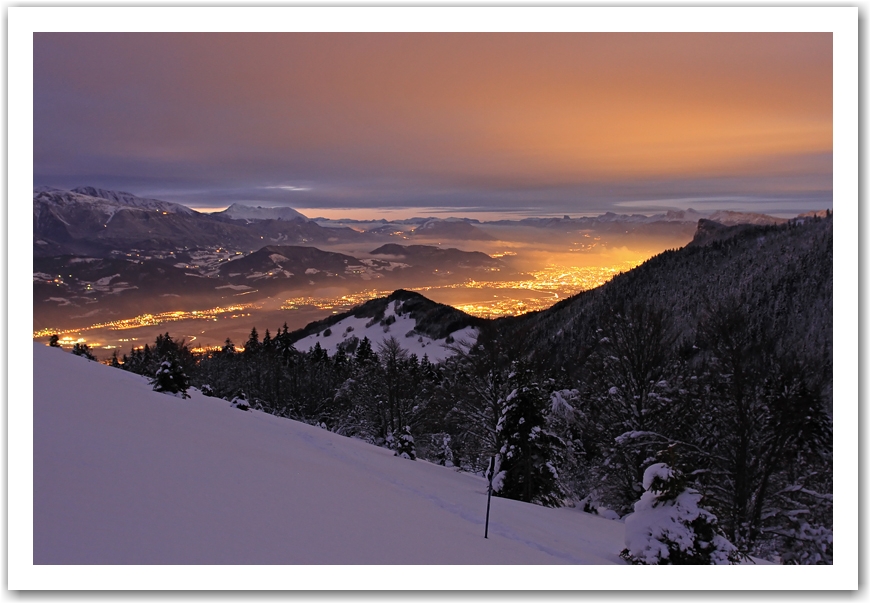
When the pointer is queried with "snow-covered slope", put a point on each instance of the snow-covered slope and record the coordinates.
(237, 211)
(108, 202)
(131, 201)
(400, 326)
(125, 475)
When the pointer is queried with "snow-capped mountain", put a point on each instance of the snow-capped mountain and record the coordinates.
(395, 323)
(91, 221)
(237, 211)
(421, 326)
(131, 201)
(106, 203)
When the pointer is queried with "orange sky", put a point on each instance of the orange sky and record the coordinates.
(362, 117)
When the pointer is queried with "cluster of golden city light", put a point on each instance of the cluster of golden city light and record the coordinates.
(539, 290)
(552, 283)
(333, 303)
(143, 320)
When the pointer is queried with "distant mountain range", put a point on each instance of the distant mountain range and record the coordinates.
(452, 229)
(106, 201)
(95, 248)
(96, 222)
(688, 215)
(89, 221)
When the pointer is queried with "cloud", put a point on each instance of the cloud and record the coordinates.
(288, 188)
(483, 120)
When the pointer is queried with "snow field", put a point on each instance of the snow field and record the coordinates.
(126, 475)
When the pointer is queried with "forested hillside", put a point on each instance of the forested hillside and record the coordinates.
(714, 361)
(778, 279)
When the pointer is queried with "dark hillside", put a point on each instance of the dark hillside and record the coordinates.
(780, 276)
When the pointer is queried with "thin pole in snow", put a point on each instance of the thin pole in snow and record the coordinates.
(489, 495)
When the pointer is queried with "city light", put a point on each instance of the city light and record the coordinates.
(534, 291)
(334, 303)
(552, 284)
(151, 320)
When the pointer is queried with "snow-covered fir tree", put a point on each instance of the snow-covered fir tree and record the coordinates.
(443, 452)
(170, 378)
(403, 444)
(84, 350)
(240, 401)
(525, 458)
(669, 526)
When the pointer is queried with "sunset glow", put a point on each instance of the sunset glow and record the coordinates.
(567, 123)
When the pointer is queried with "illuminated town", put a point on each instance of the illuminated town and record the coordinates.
(336, 304)
(66, 338)
(545, 287)
(551, 284)
(538, 290)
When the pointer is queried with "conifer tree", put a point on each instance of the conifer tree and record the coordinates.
(83, 349)
(54, 341)
(403, 444)
(253, 343)
(525, 460)
(364, 352)
(240, 401)
(170, 378)
(669, 527)
(443, 452)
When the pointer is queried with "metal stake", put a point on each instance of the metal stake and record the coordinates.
(489, 495)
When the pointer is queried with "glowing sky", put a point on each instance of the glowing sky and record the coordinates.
(544, 123)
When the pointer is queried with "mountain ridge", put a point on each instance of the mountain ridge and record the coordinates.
(69, 222)
(239, 211)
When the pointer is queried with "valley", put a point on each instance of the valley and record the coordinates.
(129, 269)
